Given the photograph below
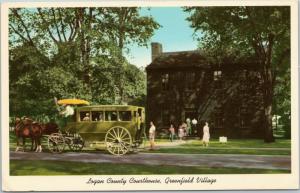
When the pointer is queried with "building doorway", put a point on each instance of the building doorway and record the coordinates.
(191, 114)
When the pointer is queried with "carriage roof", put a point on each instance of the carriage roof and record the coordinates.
(108, 107)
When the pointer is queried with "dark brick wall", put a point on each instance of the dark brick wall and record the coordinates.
(232, 105)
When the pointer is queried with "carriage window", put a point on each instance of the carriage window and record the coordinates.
(85, 116)
(110, 116)
(97, 116)
(124, 115)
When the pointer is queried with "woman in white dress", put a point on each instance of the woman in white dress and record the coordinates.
(152, 135)
(206, 135)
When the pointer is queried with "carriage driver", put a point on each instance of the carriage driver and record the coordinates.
(68, 111)
(65, 111)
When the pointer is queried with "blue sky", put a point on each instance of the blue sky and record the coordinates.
(174, 35)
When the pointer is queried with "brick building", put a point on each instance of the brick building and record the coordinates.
(187, 84)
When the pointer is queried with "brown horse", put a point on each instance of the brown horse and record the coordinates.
(27, 128)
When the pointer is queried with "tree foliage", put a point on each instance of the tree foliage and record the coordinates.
(74, 52)
(282, 101)
(262, 32)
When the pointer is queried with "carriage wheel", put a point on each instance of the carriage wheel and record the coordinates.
(76, 142)
(56, 142)
(118, 140)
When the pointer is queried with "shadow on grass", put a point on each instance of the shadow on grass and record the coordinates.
(25, 167)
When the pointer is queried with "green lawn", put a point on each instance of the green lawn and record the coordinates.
(201, 150)
(24, 167)
(233, 146)
(243, 143)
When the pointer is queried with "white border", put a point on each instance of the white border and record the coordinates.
(78, 183)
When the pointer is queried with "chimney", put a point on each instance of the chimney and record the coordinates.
(156, 49)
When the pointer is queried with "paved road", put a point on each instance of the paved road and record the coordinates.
(203, 160)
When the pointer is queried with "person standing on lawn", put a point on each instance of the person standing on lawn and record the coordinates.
(172, 132)
(206, 135)
(181, 132)
(152, 135)
(189, 127)
(184, 127)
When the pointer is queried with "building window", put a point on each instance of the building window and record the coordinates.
(217, 79)
(190, 80)
(218, 118)
(165, 81)
(165, 117)
(218, 121)
(190, 113)
(217, 75)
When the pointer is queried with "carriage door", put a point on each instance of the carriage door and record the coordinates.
(141, 113)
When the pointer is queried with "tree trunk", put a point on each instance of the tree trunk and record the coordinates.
(268, 98)
(265, 55)
(84, 47)
(268, 123)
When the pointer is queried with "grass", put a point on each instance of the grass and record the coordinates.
(193, 150)
(233, 146)
(24, 167)
(243, 143)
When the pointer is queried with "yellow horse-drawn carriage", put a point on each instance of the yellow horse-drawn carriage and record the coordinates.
(121, 127)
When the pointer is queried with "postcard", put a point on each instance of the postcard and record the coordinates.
(140, 95)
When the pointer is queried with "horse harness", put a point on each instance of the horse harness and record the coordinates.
(21, 126)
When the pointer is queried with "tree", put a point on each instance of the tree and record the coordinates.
(263, 32)
(126, 26)
(282, 102)
(74, 52)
